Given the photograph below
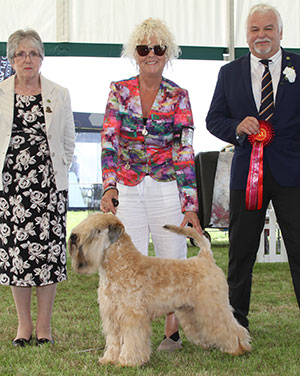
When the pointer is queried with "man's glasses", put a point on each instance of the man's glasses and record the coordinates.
(144, 50)
(22, 55)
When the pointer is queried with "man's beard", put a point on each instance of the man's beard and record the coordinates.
(262, 50)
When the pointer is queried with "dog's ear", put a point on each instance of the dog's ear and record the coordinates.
(114, 232)
(92, 234)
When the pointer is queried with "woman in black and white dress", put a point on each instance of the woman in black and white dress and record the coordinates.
(36, 149)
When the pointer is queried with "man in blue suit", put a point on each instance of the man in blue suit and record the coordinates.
(233, 117)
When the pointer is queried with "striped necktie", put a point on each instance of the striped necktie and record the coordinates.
(267, 98)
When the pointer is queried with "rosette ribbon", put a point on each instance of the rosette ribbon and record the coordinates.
(254, 190)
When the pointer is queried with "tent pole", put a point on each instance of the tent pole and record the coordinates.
(230, 55)
(62, 21)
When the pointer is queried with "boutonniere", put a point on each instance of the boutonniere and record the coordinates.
(289, 72)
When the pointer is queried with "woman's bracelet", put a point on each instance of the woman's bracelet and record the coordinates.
(108, 189)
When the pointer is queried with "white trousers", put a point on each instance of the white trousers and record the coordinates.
(144, 209)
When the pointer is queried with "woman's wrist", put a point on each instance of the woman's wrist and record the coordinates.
(108, 189)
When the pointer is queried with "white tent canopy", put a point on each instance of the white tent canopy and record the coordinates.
(197, 23)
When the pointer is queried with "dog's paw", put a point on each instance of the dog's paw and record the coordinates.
(131, 363)
(132, 360)
(244, 346)
(106, 360)
(205, 346)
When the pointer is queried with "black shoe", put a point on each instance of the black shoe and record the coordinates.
(21, 342)
(42, 341)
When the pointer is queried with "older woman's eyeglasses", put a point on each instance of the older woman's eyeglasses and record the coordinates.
(22, 55)
(144, 50)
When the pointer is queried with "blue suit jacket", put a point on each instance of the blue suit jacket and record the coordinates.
(233, 101)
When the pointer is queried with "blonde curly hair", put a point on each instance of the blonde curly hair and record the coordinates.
(151, 27)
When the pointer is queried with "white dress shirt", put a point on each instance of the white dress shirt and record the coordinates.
(257, 70)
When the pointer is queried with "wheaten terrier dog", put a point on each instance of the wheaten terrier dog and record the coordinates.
(134, 289)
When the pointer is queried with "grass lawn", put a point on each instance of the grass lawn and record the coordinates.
(274, 325)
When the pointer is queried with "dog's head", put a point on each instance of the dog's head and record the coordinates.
(91, 238)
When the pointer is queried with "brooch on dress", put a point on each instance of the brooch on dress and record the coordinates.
(144, 131)
(48, 109)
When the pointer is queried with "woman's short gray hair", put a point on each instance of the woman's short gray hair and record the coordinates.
(19, 36)
(265, 8)
(151, 27)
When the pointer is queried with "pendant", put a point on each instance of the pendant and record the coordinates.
(144, 131)
(127, 166)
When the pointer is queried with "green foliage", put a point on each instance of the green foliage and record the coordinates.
(274, 325)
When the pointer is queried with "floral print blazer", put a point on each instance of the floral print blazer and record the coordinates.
(161, 148)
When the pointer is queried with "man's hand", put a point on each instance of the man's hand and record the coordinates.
(250, 125)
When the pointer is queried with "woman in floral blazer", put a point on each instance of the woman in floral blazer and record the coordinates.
(147, 153)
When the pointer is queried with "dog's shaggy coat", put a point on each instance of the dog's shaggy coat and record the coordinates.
(134, 289)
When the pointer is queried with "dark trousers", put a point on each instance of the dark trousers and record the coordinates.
(244, 235)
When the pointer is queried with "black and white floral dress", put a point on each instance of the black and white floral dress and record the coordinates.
(32, 210)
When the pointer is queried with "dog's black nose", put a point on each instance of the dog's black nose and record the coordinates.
(73, 238)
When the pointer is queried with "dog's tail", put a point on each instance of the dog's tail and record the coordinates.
(202, 242)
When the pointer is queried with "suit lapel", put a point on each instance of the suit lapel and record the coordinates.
(286, 61)
(133, 104)
(162, 93)
(49, 101)
(7, 100)
(246, 75)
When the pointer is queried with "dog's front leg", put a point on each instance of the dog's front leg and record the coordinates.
(111, 330)
(112, 350)
(135, 334)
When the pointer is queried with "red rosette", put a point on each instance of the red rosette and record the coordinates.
(265, 135)
(254, 189)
